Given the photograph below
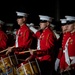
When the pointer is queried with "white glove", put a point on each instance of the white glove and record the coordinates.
(56, 34)
(33, 29)
(56, 64)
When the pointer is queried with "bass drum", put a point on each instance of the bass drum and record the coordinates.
(29, 68)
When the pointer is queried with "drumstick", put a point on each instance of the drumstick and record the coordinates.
(21, 59)
(25, 52)
(3, 50)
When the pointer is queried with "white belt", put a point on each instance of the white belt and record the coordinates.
(73, 59)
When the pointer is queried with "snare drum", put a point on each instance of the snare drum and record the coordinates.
(6, 65)
(28, 68)
(14, 60)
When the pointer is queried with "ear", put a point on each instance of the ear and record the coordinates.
(24, 18)
(74, 25)
(48, 23)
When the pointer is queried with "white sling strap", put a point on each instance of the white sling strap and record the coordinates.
(17, 38)
(38, 44)
(67, 59)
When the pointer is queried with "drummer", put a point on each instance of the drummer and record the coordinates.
(63, 38)
(23, 34)
(45, 44)
(3, 37)
(70, 64)
(67, 63)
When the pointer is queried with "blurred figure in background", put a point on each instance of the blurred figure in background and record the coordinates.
(9, 32)
(3, 37)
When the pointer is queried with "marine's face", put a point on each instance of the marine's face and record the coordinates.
(43, 25)
(20, 21)
(70, 28)
(64, 28)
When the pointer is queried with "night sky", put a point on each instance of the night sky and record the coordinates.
(35, 8)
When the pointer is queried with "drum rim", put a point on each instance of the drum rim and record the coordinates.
(19, 65)
(4, 56)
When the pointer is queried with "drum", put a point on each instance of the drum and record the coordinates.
(14, 60)
(7, 65)
(68, 72)
(28, 68)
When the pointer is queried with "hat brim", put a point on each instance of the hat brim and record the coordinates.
(43, 21)
(20, 16)
(64, 24)
(70, 22)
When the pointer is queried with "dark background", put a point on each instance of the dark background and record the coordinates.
(54, 8)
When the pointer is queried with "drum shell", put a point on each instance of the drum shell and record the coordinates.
(7, 66)
(28, 68)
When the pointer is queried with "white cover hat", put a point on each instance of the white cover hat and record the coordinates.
(70, 18)
(9, 24)
(1, 22)
(22, 14)
(47, 18)
(63, 21)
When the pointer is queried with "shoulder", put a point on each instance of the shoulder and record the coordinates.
(49, 31)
